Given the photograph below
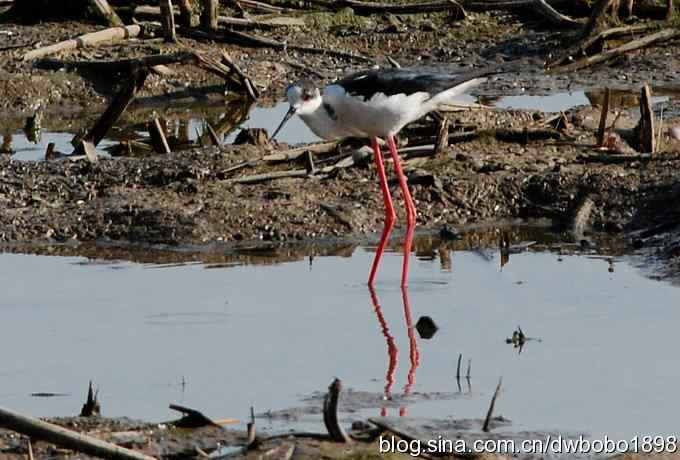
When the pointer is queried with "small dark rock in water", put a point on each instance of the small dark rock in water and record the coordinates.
(447, 233)
(253, 136)
(426, 327)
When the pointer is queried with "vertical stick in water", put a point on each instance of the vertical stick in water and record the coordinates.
(489, 413)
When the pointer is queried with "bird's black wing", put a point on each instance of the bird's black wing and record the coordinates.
(405, 81)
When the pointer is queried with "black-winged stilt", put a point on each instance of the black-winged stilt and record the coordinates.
(378, 104)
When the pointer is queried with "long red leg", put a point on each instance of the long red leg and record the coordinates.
(410, 209)
(390, 215)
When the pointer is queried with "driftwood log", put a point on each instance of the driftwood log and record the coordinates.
(43, 431)
(91, 39)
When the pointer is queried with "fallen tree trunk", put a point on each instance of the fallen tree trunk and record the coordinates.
(91, 39)
(43, 431)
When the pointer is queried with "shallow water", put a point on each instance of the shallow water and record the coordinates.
(222, 337)
(295, 131)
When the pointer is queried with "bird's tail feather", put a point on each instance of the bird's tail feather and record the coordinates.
(448, 96)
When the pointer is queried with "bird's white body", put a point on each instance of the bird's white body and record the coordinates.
(337, 114)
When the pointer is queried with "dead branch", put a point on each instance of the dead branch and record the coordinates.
(603, 117)
(191, 418)
(105, 12)
(90, 150)
(645, 127)
(114, 110)
(597, 41)
(168, 21)
(554, 17)
(91, 39)
(157, 134)
(489, 413)
(604, 12)
(212, 134)
(663, 35)
(43, 431)
(442, 140)
(246, 81)
(330, 412)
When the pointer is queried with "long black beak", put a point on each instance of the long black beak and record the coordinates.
(289, 114)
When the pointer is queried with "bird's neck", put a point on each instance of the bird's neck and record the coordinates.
(321, 121)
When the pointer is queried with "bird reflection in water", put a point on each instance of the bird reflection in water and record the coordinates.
(393, 351)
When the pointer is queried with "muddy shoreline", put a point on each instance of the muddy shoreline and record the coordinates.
(192, 198)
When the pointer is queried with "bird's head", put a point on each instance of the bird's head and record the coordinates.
(304, 97)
